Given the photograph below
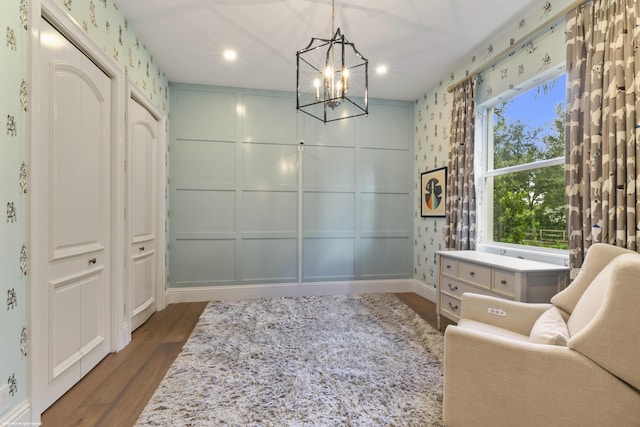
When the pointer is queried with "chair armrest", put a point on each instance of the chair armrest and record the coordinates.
(513, 315)
(493, 380)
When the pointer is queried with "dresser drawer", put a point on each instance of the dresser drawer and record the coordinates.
(476, 274)
(504, 283)
(450, 305)
(452, 287)
(456, 288)
(449, 266)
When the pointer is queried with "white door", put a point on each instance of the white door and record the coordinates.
(142, 211)
(70, 218)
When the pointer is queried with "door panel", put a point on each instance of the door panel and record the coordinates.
(74, 333)
(65, 327)
(70, 222)
(77, 207)
(93, 321)
(144, 267)
(143, 177)
(142, 163)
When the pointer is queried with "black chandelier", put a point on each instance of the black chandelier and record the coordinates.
(332, 78)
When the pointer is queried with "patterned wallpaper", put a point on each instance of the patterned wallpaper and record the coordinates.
(13, 198)
(532, 63)
(103, 23)
(433, 115)
(433, 118)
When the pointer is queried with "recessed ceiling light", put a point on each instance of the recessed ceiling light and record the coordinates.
(230, 55)
(381, 69)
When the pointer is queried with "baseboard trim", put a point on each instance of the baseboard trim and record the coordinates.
(220, 293)
(19, 416)
(425, 291)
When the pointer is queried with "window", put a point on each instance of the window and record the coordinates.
(522, 149)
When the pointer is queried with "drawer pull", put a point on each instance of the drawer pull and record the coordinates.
(503, 282)
(448, 267)
(453, 288)
(472, 273)
(453, 307)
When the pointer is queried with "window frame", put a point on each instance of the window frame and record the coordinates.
(483, 159)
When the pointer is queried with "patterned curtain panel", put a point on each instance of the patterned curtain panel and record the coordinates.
(603, 177)
(460, 232)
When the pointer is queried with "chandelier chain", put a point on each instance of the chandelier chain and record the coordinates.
(333, 7)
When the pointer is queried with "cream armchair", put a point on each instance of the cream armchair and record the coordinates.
(574, 362)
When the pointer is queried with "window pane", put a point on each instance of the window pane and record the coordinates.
(530, 126)
(529, 207)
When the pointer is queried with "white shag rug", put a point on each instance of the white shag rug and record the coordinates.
(353, 360)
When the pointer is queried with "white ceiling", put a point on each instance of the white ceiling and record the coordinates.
(420, 41)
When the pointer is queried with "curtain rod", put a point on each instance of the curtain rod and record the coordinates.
(519, 43)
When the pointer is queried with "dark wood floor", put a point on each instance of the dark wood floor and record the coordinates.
(117, 390)
(425, 308)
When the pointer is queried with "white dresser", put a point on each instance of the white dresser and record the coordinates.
(490, 274)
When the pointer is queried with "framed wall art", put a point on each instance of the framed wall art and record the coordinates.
(433, 192)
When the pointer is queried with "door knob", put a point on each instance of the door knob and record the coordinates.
(92, 261)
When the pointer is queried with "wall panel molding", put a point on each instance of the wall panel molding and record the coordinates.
(269, 196)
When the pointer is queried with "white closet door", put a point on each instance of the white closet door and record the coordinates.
(142, 212)
(70, 225)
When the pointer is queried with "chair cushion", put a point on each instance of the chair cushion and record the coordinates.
(550, 328)
(592, 300)
(598, 256)
(612, 337)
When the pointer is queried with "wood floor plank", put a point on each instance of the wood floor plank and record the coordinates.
(181, 330)
(135, 367)
(160, 322)
(128, 405)
(117, 390)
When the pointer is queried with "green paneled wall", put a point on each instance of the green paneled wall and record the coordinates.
(245, 201)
